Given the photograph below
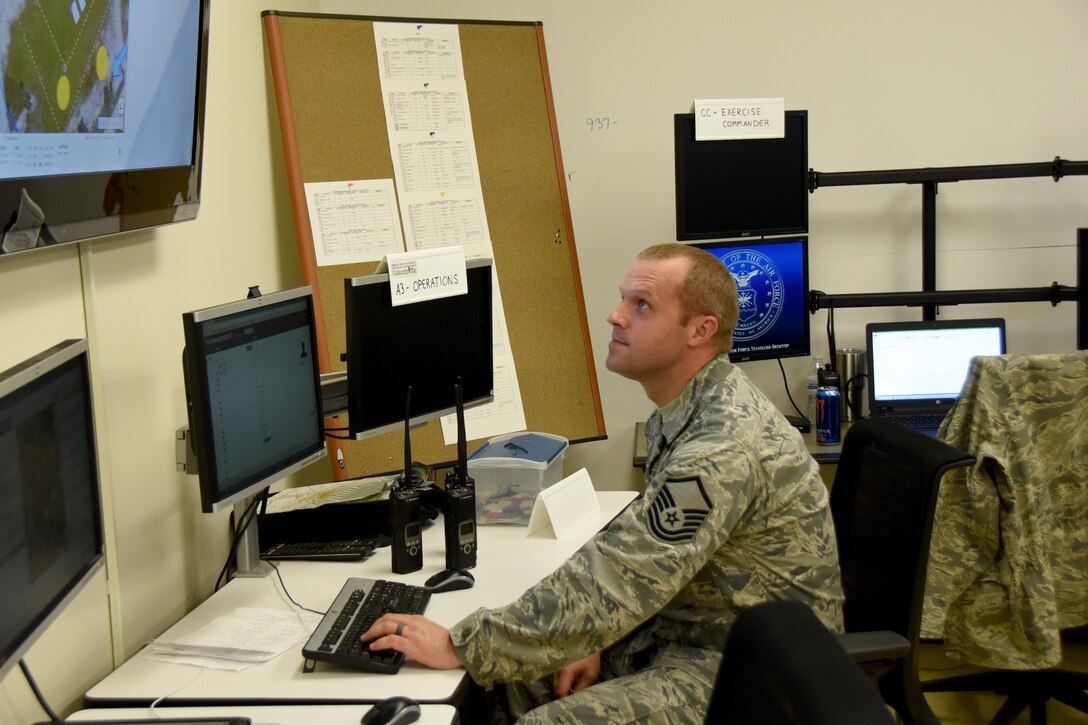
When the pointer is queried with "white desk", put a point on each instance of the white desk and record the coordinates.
(264, 714)
(508, 563)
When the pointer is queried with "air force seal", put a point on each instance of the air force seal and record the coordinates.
(759, 292)
(678, 510)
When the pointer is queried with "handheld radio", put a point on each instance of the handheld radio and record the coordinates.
(404, 509)
(460, 503)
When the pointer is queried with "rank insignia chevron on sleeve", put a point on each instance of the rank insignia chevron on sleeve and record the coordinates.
(678, 510)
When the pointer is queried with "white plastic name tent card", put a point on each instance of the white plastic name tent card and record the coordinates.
(564, 505)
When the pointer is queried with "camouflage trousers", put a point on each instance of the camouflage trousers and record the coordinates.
(674, 688)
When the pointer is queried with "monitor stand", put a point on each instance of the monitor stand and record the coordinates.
(247, 558)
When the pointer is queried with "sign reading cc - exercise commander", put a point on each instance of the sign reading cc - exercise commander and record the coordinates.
(740, 118)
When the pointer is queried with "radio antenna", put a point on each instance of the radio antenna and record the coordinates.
(407, 479)
(462, 444)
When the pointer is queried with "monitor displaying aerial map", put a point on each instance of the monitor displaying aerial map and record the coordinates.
(97, 85)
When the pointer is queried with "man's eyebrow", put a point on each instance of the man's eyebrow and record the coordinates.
(639, 289)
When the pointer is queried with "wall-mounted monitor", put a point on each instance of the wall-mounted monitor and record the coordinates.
(253, 389)
(772, 289)
(103, 110)
(428, 345)
(51, 540)
(741, 188)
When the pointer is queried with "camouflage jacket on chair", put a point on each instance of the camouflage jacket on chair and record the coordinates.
(1009, 558)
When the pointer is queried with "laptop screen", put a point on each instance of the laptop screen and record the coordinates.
(924, 364)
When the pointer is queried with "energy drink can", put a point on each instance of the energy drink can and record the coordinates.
(828, 416)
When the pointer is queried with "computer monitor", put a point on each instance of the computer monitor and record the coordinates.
(51, 540)
(920, 366)
(744, 187)
(772, 287)
(103, 118)
(428, 345)
(253, 390)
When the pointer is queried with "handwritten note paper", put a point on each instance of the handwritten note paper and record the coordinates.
(426, 274)
(739, 118)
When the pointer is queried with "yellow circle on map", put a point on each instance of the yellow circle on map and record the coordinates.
(102, 62)
(64, 93)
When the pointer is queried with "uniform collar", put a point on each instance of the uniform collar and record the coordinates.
(675, 414)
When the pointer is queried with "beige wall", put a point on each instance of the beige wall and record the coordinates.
(887, 86)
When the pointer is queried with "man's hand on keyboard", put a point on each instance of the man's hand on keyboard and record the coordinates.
(417, 637)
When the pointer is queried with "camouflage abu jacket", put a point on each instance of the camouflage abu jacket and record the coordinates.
(734, 513)
(1009, 558)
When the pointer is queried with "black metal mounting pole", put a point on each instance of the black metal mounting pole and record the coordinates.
(1056, 169)
(929, 298)
(929, 245)
(1082, 289)
(1053, 294)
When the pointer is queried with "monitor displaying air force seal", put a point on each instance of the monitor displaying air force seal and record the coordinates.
(772, 293)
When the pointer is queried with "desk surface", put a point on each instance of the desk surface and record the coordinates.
(823, 453)
(509, 563)
(263, 714)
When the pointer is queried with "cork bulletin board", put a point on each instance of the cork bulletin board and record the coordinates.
(328, 94)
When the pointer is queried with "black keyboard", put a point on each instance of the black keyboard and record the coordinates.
(352, 550)
(355, 608)
(920, 422)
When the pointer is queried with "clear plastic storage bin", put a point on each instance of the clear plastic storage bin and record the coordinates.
(510, 470)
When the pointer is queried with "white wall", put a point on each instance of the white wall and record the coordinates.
(887, 86)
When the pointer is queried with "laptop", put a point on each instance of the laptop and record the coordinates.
(917, 369)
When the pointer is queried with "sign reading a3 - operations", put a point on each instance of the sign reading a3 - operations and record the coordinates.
(426, 274)
(739, 118)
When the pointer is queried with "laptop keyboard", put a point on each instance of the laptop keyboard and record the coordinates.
(357, 606)
(920, 422)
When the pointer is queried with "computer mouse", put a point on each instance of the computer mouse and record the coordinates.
(395, 710)
(448, 580)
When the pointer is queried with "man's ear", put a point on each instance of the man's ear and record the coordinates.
(702, 330)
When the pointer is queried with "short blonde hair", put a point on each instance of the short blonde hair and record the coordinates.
(708, 289)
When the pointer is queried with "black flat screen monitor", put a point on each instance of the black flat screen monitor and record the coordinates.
(741, 188)
(428, 345)
(772, 289)
(103, 118)
(253, 389)
(51, 540)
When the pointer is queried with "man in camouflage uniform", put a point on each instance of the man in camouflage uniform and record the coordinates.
(735, 513)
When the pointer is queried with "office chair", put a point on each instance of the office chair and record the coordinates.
(1010, 558)
(782, 666)
(882, 502)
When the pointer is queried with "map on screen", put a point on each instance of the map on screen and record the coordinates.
(97, 85)
(64, 66)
